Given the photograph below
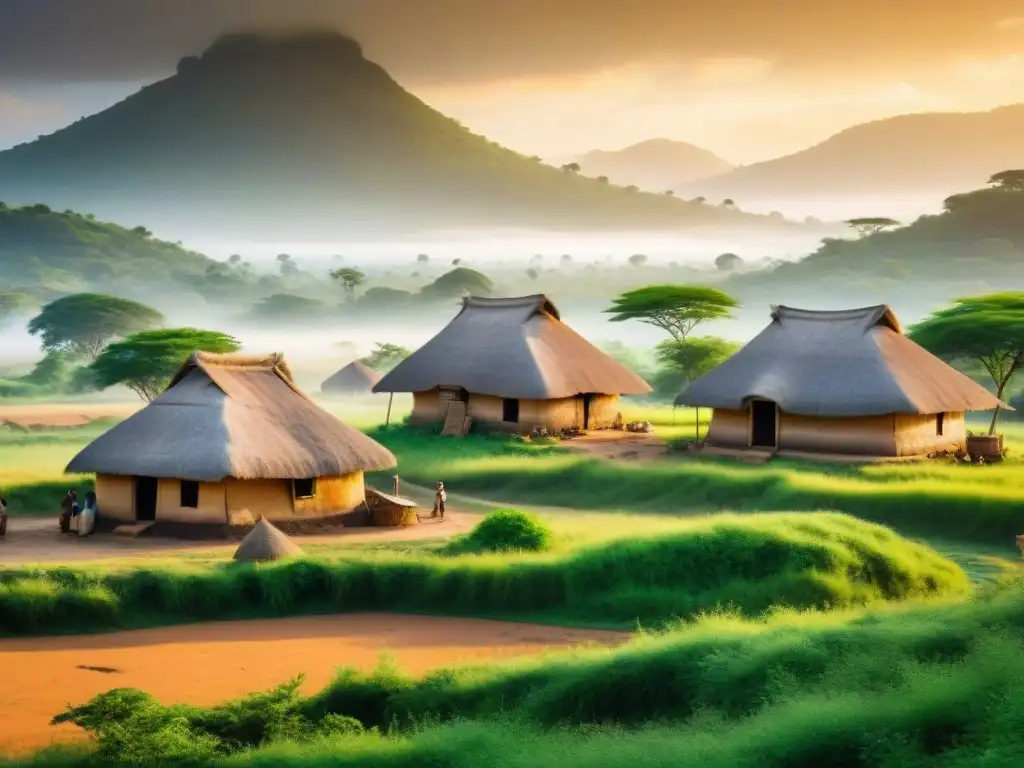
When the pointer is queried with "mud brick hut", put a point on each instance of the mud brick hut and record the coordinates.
(353, 380)
(846, 382)
(512, 365)
(232, 439)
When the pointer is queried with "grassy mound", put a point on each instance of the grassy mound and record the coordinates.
(750, 563)
(910, 687)
(967, 503)
(506, 530)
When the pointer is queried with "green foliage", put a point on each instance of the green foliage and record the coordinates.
(385, 356)
(506, 530)
(752, 564)
(51, 373)
(145, 362)
(459, 282)
(676, 309)
(15, 305)
(350, 279)
(287, 307)
(872, 224)
(380, 297)
(84, 323)
(685, 361)
(727, 262)
(985, 329)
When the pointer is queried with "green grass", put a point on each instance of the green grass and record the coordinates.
(904, 686)
(749, 563)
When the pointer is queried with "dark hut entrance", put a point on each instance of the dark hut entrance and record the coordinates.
(587, 400)
(145, 498)
(764, 424)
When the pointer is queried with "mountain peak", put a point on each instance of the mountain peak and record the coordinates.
(244, 48)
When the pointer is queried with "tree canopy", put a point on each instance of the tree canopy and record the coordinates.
(458, 282)
(985, 329)
(871, 224)
(350, 279)
(145, 362)
(684, 361)
(676, 309)
(84, 323)
(385, 356)
(727, 262)
(1012, 180)
(288, 306)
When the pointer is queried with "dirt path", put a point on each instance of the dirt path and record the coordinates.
(621, 446)
(37, 540)
(64, 414)
(205, 664)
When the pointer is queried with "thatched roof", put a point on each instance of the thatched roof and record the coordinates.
(849, 363)
(516, 348)
(232, 416)
(266, 542)
(353, 378)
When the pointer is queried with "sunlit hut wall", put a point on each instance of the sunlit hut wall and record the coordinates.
(517, 367)
(230, 440)
(845, 382)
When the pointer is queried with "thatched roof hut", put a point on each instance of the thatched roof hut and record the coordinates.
(515, 365)
(230, 434)
(264, 543)
(356, 378)
(843, 381)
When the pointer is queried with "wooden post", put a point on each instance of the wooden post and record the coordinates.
(387, 420)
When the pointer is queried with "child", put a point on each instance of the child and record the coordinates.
(440, 497)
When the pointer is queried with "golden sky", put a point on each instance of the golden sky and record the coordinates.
(748, 79)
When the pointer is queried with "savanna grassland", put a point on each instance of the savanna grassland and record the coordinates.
(791, 614)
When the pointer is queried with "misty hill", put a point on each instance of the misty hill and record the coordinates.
(654, 165)
(302, 137)
(49, 253)
(975, 246)
(905, 155)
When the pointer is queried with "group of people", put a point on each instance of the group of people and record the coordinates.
(75, 518)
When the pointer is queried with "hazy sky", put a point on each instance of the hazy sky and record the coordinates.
(748, 79)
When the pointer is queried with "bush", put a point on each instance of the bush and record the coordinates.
(506, 530)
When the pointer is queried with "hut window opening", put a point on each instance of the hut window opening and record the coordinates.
(305, 488)
(940, 424)
(190, 494)
(510, 410)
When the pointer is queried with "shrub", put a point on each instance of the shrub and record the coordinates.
(506, 530)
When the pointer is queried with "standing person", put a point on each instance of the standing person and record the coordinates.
(87, 517)
(67, 510)
(440, 497)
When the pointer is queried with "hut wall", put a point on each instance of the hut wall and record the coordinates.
(916, 434)
(485, 409)
(561, 413)
(115, 497)
(730, 429)
(211, 509)
(260, 498)
(334, 496)
(426, 408)
(869, 436)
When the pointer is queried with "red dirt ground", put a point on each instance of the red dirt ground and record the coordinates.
(205, 664)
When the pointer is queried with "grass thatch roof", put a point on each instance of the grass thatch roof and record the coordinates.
(232, 416)
(516, 348)
(354, 378)
(265, 542)
(848, 363)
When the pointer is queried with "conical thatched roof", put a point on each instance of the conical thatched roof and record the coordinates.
(232, 416)
(848, 363)
(355, 378)
(264, 543)
(515, 347)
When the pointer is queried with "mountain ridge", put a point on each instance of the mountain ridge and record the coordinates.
(654, 164)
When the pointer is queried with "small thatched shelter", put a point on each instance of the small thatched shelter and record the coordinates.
(845, 382)
(265, 543)
(354, 379)
(231, 438)
(516, 366)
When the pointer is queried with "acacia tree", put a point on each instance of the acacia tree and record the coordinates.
(350, 279)
(83, 323)
(983, 329)
(871, 225)
(1012, 181)
(145, 362)
(385, 356)
(676, 309)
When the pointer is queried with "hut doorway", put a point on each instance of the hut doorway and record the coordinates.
(145, 498)
(764, 424)
(587, 400)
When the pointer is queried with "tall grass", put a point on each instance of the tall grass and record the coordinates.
(981, 504)
(909, 687)
(750, 563)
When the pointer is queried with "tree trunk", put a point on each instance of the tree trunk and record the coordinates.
(995, 416)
